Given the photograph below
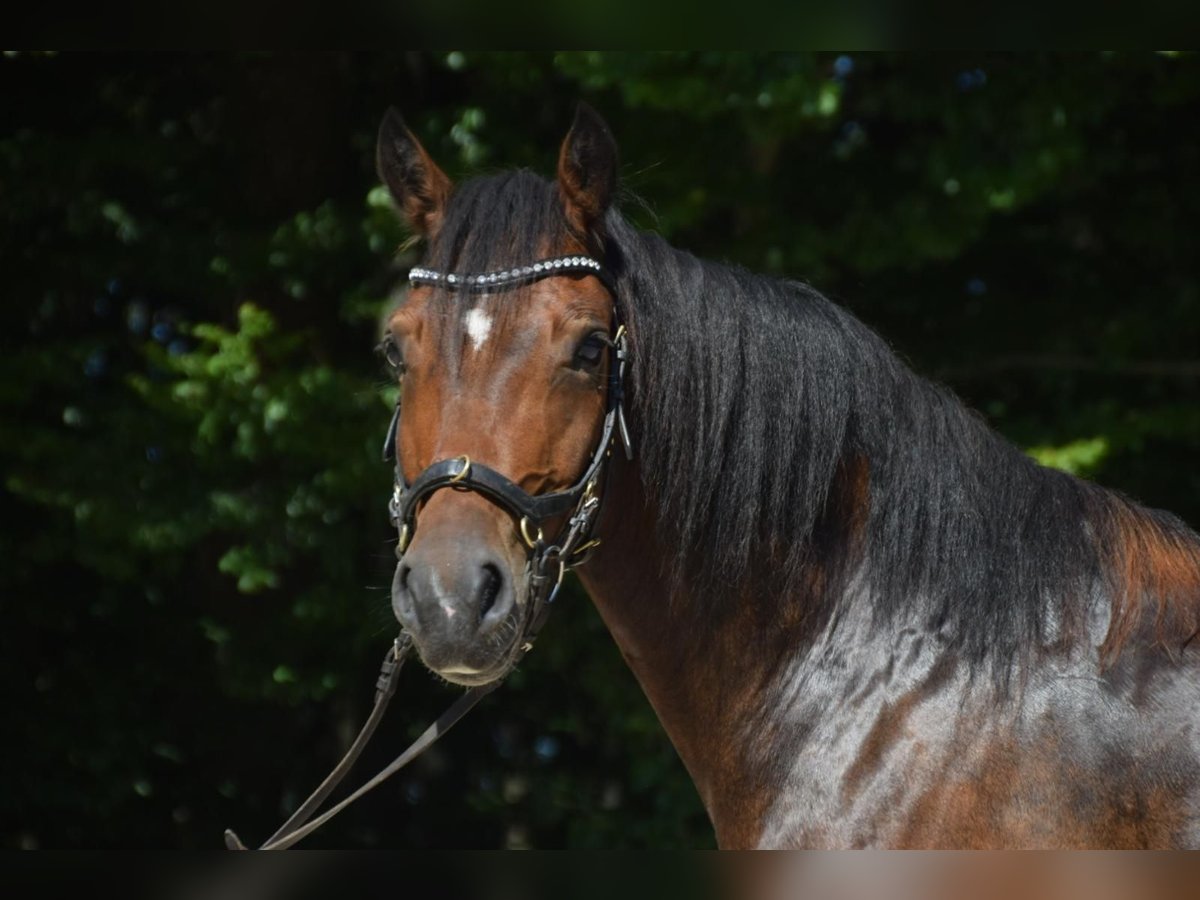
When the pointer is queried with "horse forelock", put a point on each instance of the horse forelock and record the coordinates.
(490, 223)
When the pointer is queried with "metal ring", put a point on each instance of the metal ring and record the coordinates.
(402, 544)
(529, 542)
(462, 473)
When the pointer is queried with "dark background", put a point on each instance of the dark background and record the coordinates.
(195, 555)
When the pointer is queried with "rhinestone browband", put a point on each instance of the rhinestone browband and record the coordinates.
(504, 277)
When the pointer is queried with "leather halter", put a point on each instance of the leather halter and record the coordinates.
(569, 549)
(581, 500)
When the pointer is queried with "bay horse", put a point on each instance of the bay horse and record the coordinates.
(863, 617)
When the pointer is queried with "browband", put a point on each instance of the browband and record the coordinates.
(502, 278)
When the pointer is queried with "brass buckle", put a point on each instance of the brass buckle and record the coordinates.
(584, 548)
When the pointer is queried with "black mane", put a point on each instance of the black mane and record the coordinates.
(756, 401)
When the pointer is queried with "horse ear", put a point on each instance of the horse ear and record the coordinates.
(587, 172)
(414, 180)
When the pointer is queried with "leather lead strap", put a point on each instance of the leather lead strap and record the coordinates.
(385, 689)
(295, 829)
(444, 723)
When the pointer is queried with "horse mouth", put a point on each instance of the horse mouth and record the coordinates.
(485, 658)
(472, 674)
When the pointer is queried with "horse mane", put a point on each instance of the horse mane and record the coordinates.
(758, 400)
(780, 437)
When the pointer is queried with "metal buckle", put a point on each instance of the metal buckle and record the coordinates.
(584, 548)
(394, 502)
(562, 572)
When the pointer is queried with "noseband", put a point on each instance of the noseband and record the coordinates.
(548, 561)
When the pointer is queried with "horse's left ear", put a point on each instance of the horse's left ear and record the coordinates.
(587, 173)
(415, 182)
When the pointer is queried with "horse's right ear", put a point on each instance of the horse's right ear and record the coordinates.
(415, 182)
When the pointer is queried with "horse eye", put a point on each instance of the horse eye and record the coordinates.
(392, 356)
(590, 351)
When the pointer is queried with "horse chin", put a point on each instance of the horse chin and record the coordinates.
(472, 679)
(485, 660)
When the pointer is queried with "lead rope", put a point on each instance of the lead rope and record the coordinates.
(295, 829)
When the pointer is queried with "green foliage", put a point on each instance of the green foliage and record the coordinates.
(197, 255)
(1077, 458)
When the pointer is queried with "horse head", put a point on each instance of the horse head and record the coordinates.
(506, 351)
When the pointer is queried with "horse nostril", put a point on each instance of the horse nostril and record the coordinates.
(403, 602)
(489, 588)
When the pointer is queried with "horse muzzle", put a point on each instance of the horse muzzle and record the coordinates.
(462, 606)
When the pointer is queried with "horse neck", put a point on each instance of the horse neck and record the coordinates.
(703, 677)
(738, 692)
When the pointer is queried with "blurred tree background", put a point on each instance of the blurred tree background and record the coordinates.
(195, 557)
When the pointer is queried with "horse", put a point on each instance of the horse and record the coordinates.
(862, 616)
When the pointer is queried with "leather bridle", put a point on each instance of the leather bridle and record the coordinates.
(547, 560)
